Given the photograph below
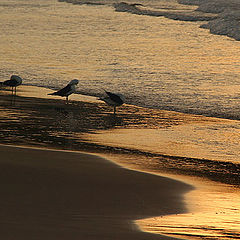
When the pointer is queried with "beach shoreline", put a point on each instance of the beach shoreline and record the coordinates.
(54, 194)
(32, 172)
(34, 120)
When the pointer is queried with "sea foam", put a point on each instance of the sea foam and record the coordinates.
(139, 9)
(221, 17)
(227, 21)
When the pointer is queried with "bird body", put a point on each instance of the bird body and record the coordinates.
(13, 82)
(113, 99)
(68, 90)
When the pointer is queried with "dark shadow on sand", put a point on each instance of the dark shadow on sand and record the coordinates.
(66, 195)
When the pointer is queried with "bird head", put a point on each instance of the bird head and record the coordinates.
(16, 78)
(74, 82)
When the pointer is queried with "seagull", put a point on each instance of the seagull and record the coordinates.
(13, 82)
(68, 90)
(113, 99)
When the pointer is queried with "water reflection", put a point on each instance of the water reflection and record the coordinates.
(209, 140)
(213, 214)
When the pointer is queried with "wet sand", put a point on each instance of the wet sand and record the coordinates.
(53, 194)
(33, 118)
(48, 194)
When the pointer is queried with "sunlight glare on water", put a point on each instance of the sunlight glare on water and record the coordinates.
(209, 140)
(213, 214)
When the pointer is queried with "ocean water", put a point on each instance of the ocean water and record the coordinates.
(150, 57)
(154, 61)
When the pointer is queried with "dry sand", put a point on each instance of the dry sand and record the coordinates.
(48, 194)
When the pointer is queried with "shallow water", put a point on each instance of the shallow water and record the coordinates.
(213, 214)
(215, 141)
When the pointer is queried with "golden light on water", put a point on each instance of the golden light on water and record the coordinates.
(213, 214)
(213, 208)
(216, 141)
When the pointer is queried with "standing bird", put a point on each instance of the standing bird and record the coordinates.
(68, 90)
(114, 100)
(13, 82)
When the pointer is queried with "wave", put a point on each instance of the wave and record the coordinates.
(228, 15)
(224, 27)
(222, 16)
(139, 9)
